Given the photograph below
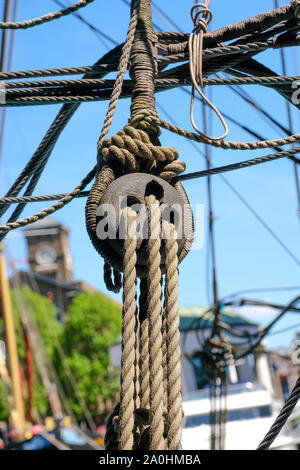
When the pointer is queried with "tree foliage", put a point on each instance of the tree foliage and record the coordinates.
(93, 324)
(78, 347)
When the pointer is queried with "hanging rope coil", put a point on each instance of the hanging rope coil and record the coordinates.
(201, 19)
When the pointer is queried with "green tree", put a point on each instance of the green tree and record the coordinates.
(40, 311)
(80, 346)
(93, 324)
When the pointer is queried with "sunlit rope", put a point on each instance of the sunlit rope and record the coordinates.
(195, 44)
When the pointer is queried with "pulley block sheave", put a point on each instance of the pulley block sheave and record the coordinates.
(131, 190)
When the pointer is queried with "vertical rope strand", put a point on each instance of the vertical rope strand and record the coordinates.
(164, 353)
(157, 441)
(128, 334)
(144, 345)
(173, 339)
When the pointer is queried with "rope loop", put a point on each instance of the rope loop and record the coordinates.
(200, 24)
(195, 45)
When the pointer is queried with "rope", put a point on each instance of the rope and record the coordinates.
(128, 334)
(67, 91)
(283, 416)
(97, 190)
(55, 207)
(144, 345)
(208, 53)
(120, 76)
(174, 405)
(251, 26)
(157, 441)
(185, 177)
(39, 159)
(195, 44)
(239, 165)
(45, 18)
(229, 144)
(33, 89)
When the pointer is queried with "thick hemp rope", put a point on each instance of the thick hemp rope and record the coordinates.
(173, 362)
(157, 441)
(128, 334)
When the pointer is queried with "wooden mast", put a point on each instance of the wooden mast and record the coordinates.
(17, 414)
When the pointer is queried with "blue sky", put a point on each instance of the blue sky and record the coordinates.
(247, 256)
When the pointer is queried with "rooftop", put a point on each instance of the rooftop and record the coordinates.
(195, 317)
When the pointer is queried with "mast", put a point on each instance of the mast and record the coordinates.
(11, 347)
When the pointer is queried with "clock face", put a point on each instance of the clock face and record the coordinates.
(45, 255)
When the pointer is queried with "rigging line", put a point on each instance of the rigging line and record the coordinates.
(260, 303)
(290, 121)
(249, 100)
(6, 15)
(261, 289)
(103, 36)
(268, 327)
(249, 207)
(9, 63)
(208, 151)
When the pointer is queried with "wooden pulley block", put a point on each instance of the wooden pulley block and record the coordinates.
(130, 191)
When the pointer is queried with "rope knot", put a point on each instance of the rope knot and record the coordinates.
(195, 45)
(200, 24)
(131, 151)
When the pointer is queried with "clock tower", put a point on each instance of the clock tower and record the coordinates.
(48, 249)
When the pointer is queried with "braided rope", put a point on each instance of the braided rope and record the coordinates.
(45, 18)
(144, 345)
(229, 144)
(155, 326)
(38, 161)
(250, 26)
(282, 418)
(173, 339)
(120, 76)
(55, 207)
(127, 405)
(185, 177)
(164, 354)
(96, 190)
(94, 87)
(101, 90)
(240, 165)
(170, 58)
(131, 150)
